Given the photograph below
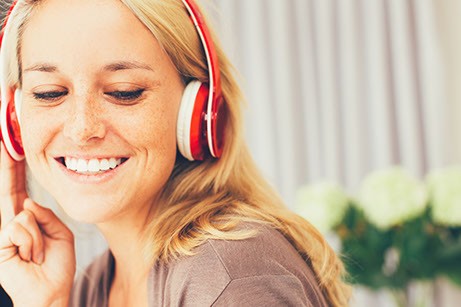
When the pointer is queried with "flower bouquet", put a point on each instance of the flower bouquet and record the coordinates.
(397, 230)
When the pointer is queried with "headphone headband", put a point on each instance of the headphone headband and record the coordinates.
(207, 43)
(6, 20)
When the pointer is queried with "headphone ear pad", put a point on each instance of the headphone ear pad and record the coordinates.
(191, 128)
(10, 130)
(185, 119)
(18, 104)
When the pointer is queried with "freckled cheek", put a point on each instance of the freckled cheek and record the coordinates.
(155, 131)
(36, 132)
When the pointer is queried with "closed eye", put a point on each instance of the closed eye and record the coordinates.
(49, 96)
(126, 95)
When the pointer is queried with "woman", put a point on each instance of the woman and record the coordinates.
(102, 87)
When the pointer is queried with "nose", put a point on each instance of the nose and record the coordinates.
(85, 122)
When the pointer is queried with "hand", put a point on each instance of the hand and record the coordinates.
(37, 258)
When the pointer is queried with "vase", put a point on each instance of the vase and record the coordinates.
(419, 293)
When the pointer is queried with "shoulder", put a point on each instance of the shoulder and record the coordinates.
(92, 285)
(262, 270)
(268, 252)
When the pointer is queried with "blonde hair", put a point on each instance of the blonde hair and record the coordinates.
(209, 199)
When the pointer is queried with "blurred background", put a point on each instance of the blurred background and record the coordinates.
(337, 89)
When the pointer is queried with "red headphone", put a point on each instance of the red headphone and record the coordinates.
(202, 115)
(10, 132)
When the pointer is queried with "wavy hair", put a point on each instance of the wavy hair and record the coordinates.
(209, 199)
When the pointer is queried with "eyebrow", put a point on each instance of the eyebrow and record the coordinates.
(43, 67)
(124, 65)
(112, 67)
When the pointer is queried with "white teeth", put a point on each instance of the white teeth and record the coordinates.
(112, 163)
(71, 163)
(74, 163)
(104, 165)
(82, 166)
(91, 166)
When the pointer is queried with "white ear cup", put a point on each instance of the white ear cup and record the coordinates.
(18, 103)
(185, 118)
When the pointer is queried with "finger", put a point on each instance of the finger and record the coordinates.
(12, 186)
(13, 170)
(27, 220)
(48, 222)
(16, 236)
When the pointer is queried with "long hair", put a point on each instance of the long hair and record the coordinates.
(209, 199)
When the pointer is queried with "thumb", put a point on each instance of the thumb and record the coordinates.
(12, 186)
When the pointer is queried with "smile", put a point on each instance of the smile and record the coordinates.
(91, 166)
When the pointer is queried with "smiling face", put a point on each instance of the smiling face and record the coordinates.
(99, 110)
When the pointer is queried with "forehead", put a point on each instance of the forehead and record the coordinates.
(76, 30)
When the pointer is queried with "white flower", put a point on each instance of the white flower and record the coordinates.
(391, 196)
(322, 204)
(445, 194)
(391, 261)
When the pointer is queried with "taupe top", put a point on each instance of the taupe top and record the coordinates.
(261, 271)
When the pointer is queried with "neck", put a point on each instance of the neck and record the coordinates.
(124, 236)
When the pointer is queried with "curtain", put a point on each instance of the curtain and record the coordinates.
(337, 89)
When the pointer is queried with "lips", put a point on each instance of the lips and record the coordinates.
(91, 166)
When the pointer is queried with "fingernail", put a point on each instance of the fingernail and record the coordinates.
(40, 258)
(28, 257)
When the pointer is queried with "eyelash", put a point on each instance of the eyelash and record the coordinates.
(126, 95)
(119, 95)
(49, 96)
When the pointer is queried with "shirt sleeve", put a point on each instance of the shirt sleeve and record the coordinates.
(267, 290)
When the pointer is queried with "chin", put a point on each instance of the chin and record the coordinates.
(91, 210)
